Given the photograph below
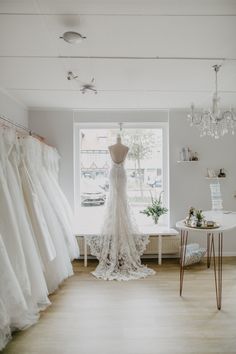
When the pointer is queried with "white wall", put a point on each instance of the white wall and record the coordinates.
(13, 110)
(57, 128)
(188, 187)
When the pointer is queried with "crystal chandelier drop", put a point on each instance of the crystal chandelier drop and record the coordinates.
(214, 122)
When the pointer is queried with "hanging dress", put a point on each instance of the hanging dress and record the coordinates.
(15, 309)
(58, 200)
(39, 292)
(9, 227)
(57, 265)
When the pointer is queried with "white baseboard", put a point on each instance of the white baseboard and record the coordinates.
(229, 254)
(152, 256)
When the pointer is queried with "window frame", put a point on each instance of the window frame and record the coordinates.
(126, 125)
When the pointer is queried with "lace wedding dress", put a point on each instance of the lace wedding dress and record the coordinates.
(120, 244)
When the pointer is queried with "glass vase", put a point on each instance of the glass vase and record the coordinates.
(155, 219)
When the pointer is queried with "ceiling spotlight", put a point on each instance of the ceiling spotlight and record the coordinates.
(89, 87)
(72, 37)
(71, 76)
(84, 87)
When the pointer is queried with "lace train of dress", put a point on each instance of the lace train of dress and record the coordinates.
(120, 245)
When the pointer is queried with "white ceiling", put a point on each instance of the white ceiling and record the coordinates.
(124, 39)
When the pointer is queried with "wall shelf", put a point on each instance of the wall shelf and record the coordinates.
(215, 178)
(186, 161)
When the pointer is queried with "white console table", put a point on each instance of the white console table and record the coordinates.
(149, 230)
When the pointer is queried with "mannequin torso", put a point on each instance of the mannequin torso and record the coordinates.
(118, 151)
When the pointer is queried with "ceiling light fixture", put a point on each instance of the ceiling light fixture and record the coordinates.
(89, 87)
(214, 122)
(85, 87)
(72, 37)
(71, 76)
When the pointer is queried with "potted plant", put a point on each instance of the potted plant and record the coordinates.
(155, 209)
(199, 218)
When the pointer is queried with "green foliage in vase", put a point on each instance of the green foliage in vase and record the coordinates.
(155, 209)
(199, 216)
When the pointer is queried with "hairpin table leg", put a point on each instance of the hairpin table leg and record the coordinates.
(208, 250)
(183, 246)
(218, 267)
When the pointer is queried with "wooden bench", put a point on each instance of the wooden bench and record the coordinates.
(149, 230)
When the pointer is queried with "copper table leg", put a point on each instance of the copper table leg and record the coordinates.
(183, 246)
(209, 250)
(217, 267)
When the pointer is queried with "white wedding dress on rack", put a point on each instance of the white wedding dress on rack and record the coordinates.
(58, 200)
(38, 296)
(120, 245)
(45, 221)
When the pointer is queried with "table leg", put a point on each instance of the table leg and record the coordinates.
(209, 249)
(183, 246)
(159, 249)
(218, 267)
(85, 252)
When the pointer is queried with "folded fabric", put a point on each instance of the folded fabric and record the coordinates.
(194, 253)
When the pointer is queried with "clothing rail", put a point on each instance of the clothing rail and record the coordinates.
(20, 126)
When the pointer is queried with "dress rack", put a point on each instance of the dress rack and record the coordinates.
(22, 127)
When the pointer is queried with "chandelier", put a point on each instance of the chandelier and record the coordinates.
(214, 122)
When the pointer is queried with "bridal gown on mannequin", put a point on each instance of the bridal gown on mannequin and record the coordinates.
(120, 245)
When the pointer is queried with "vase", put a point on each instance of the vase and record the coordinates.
(155, 219)
(199, 224)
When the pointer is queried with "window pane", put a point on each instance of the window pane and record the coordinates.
(144, 167)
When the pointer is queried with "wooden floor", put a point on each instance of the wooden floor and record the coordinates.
(90, 316)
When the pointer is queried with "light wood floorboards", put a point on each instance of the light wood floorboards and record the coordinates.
(90, 316)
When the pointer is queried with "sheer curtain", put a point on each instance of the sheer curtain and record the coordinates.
(37, 243)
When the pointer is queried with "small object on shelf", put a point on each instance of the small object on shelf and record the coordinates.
(211, 173)
(194, 156)
(186, 155)
(214, 174)
(222, 173)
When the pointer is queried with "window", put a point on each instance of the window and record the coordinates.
(146, 167)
